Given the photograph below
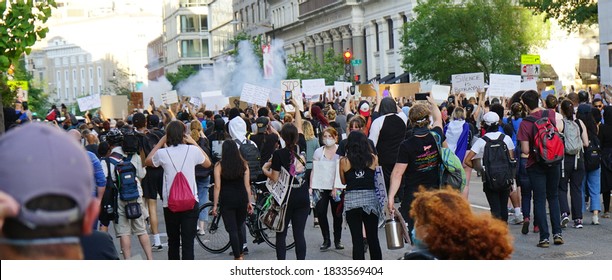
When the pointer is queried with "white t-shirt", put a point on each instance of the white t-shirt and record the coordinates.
(136, 161)
(319, 154)
(165, 158)
(479, 145)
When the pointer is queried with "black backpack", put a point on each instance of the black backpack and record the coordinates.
(251, 154)
(131, 143)
(201, 171)
(592, 154)
(108, 205)
(497, 166)
(148, 141)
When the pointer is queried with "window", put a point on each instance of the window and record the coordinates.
(390, 31)
(376, 35)
(99, 89)
(74, 92)
(610, 55)
(83, 90)
(58, 77)
(57, 61)
(91, 89)
(74, 75)
(99, 73)
(194, 48)
(82, 75)
(66, 78)
(67, 93)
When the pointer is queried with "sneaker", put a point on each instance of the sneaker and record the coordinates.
(564, 220)
(595, 220)
(558, 239)
(578, 223)
(245, 250)
(201, 232)
(544, 243)
(339, 245)
(157, 248)
(606, 215)
(316, 222)
(325, 246)
(536, 229)
(517, 220)
(510, 212)
(525, 228)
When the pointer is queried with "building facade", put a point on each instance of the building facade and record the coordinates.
(370, 29)
(605, 41)
(67, 72)
(156, 58)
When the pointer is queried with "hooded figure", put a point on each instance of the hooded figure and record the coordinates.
(387, 106)
(237, 129)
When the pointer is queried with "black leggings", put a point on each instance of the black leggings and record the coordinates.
(233, 219)
(297, 217)
(321, 211)
(355, 218)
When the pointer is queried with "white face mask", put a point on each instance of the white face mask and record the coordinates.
(329, 142)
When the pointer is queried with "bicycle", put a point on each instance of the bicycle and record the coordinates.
(216, 239)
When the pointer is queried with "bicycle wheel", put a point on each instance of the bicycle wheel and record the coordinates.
(269, 236)
(216, 239)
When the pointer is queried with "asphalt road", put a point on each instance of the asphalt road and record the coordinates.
(589, 243)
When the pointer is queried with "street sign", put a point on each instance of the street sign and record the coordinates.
(530, 70)
(530, 59)
(356, 61)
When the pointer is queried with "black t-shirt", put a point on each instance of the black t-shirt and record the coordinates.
(266, 144)
(423, 159)
(341, 151)
(299, 197)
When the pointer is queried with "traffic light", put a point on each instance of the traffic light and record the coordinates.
(347, 57)
(357, 76)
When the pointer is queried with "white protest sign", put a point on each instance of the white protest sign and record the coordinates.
(558, 86)
(255, 94)
(313, 87)
(196, 101)
(440, 93)
(169, 97)
(277, 96)
(294, 87)
(503, 85)
(214, 100)
(529, 84)
(89, 102)
(279, 188)
(468, 83)
(326, 174)
(343, 88)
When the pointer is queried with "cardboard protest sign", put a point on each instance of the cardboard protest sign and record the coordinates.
(503, 85)
(440, 93)
(468, 83)
(395, 90)
(114, 106)
(255, 94)
(279, 188)
(136, 101)
(89, 102)
(169, 97)
(237, 103)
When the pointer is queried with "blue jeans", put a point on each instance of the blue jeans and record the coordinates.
(522, 180)
(202, 183)
(592, 184)
(545, 183)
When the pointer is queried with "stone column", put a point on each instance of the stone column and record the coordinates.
(347, 39)
(359, 49)
(327, 41)
(337, 40)
(398, 23)
(372, 61)
(383, 38)
(310, 46)
(318, 48)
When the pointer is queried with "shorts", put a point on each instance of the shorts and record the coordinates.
(127, 227)
(152, 183)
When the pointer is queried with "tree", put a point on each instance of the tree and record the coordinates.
(37, 99)
(21, 25)
(571, 14)
(303, 66)
(121, 83)
(476, 36)
(184, 72)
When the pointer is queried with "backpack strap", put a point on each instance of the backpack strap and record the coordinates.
(109, 178)
(501, 137)
(185, 159)
(486, 138)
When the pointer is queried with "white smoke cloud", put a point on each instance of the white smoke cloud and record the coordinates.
(155, 89)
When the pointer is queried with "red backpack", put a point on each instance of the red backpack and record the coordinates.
(547, 143)
(181, 197)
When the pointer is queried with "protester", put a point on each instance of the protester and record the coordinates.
(181, 155)
(445, 228)
(605, 138)
(233, 192)
(591, 184)
(360, 202)
(42, 216)
(202, 174)
(458, 135)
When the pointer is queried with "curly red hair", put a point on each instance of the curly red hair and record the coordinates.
(454, 232)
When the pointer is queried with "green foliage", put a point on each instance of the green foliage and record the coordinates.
(256, 43)
(21, 25)
(120, 83)
(37, 99)
(475, 36)
(182, 74)
(303, 66)
(571, 14)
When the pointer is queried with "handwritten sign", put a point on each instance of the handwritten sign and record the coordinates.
(169, 97)
(255, 94)
(504, 85)
(294, 87)
(279, 188)
(468, 83)
(196, 101)
(89, 102)
(440, 93)
(313, 87)
(214, 100)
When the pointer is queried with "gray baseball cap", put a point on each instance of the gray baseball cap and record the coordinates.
(39, 160)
